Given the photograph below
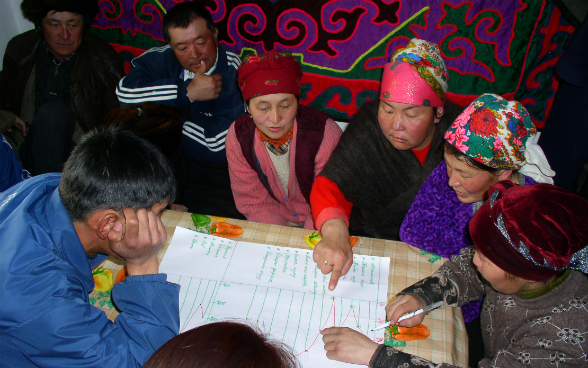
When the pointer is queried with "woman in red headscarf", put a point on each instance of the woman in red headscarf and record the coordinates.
(277, 149)
(529, 262)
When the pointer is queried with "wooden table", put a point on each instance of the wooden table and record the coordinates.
(448, 340)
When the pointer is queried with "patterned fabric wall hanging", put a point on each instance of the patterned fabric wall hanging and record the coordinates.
(506, 47)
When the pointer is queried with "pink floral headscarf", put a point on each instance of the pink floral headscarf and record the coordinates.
(415, 75)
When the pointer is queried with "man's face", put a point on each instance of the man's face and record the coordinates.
(194, 45)
(62, 32)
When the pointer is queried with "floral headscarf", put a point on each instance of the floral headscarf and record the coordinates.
(415, 75)
(499, 134)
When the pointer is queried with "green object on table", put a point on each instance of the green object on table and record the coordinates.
(200, 220)
(389, 340)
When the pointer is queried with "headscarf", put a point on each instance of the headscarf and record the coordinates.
(532, 231)
(500, 134)
(274, 72)
(415, 75)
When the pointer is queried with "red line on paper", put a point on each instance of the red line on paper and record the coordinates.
(189, 319)
(332, 310)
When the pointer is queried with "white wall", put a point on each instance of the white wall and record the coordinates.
(11, 22)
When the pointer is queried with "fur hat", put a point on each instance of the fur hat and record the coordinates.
(532, 231)
(36, 10)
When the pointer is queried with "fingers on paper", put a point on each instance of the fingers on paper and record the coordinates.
(347, 345)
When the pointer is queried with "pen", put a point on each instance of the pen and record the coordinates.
(428, 308)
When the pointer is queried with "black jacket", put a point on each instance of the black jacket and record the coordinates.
(92, 83)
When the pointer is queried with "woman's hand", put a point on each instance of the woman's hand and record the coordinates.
(333, 253)
(405, 304)
(347, 345)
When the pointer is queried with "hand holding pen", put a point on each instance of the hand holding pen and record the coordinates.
(422, 311)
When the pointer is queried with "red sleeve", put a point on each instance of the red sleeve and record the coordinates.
(328, 202)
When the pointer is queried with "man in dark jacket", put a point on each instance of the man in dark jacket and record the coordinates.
(60, 78)
(198, 76)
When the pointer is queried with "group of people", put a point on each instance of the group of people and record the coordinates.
(204, 131)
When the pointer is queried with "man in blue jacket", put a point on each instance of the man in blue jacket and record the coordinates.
(56, 227)
(198, 76)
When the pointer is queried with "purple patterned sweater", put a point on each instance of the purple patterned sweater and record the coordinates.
(437, 222)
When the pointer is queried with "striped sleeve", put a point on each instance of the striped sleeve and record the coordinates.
(151, 80)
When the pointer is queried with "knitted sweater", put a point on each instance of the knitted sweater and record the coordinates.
(253, 199)
(379, 180)
(518, 330)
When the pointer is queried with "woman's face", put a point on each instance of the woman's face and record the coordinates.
(408, 126)
(497, 277)
(471, 184)
(274, 114)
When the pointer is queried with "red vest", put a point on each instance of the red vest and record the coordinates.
(310, 131)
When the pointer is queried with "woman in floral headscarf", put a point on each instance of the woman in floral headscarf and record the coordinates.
(277, 149)
(389, 148)
(492, 140)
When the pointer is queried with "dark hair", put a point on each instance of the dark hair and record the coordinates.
(112, 168)
(453, 151)
(183, 14)
(36, 10)
(222, 345)
(159, 124)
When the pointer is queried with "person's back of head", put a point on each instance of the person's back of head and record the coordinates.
(183, 14)
(111, 169)
(222, 345)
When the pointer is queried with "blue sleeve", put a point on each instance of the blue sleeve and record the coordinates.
(10, 171)
(153, 79)
(73, 333)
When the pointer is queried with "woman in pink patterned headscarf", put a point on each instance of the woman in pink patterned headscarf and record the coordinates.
(389, 148)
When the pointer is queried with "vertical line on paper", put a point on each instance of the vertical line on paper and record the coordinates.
(341, 310)
(299, 318)
(288, 318)
(214, 288)
(263, 304)
(252, 299)
(275, 309)
(193, 303)
(187, 289)
(310, 319)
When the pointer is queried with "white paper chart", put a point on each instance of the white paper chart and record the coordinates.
(281, 289)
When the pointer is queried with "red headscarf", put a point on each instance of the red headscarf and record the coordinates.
(274, 72)
(532, 231)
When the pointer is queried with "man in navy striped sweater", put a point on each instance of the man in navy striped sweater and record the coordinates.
(198, 76)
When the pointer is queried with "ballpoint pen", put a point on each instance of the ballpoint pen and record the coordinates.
(426, 309)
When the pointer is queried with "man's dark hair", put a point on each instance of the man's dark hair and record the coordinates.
(111, 169)
(36, 10)
(183, 14)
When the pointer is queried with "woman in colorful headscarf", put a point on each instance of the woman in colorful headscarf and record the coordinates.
(492, 140)
(277, 149)
(529, 262)
(389, 148)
